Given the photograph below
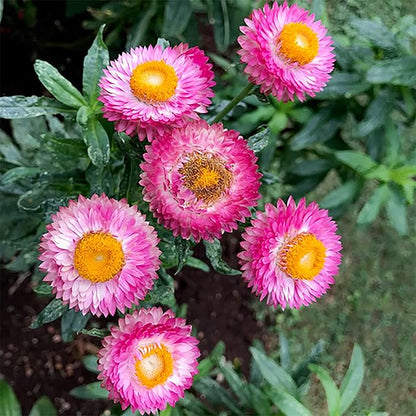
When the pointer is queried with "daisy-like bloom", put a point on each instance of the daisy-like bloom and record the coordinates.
(99, 254)
(287, 53)
(200, 180)
(290, 253)
(149, 360)
(151, 89)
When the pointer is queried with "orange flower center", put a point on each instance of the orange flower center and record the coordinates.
(302, 257)
(155, 366)
(98, 257)
(298, 43)
(153, 81)
(206, 176)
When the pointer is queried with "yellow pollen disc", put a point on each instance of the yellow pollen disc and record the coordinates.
(298, 43)
(98, 257)
(153, 81)
(206, 176)
(303, 257)
(155, 366)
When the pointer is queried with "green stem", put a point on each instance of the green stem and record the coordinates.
(243, 94)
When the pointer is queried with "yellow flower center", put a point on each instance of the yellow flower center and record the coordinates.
(155, 366)
(153, 81)
(298, 43)
(98, 257)
(206, 176)
(302, 257)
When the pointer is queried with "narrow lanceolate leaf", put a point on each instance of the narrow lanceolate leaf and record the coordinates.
(214, 254)
(399, 71)
(43, 407)
(57, 85)
(376, 113)
(372, 207)
(397, 212)
(353, 379)
(9, 406)
(96, 60)
(52, 311)
(358, 161)
(274, 374)
(18, 106)
(333, 397)
(21, 172)
(288, 404)
(342, 195)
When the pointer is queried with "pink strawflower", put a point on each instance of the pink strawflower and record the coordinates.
(200, 180)
(149, 360)
(290, 253)
(149, 89)
(286, 51)
(99, 254)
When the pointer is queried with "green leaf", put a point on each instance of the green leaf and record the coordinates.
(259, 141)
(214, 253)
(176, 17)
(288, 404)
(319, 129)
(9, 405)
(333, 396)
(96, 60)
(399, 71)
(43, 289)
(95, 332)
(341, 195)
(207, 364)
(358, 161)
(71, 323)
(197, 264)
(343, 84)
(138, 30)
(353, 378)
(18, 106)
(216, 394)
(18, 173)
(372, 207)
(52, 311)
(90, 363)
(43, 407)
(90, 391)
(238, 386)
(397, 212)
(95, 137)
(376, 32)
(311, 167)
(57, 85)
(376, 113)
(285, 361)
(273, 373)
(259, 401)
(219, 11)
